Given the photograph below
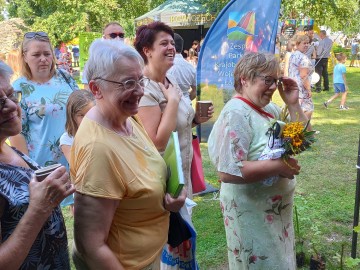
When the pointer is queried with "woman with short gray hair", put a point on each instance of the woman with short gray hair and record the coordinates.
(121, 219)
(256, 196)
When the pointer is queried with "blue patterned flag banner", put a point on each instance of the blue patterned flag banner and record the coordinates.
(242, 26)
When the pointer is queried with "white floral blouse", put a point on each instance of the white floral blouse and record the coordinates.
(257, 217)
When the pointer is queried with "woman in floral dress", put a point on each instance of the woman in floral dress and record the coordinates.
(300, 69)
(257, 213)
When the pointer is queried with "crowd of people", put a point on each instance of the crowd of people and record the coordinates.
(110, 138)
(107, 141)
(306, 60)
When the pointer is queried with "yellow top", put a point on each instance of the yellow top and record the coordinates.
(130, 169)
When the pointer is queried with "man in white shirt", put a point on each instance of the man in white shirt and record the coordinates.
(183, 71)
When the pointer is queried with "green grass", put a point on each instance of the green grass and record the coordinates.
(325, 192)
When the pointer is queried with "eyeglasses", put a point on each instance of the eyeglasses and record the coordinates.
(114, 35)
(31, 35)
(269, 81)
(14, 97)
(129, 84)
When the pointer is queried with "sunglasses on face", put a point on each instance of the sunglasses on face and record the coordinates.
(269, 81)
(31, 35)
(115, 35)
(14, 97)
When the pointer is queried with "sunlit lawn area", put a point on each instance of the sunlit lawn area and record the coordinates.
(325, 190)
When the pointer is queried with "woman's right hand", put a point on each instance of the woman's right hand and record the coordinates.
(171, 93)
(288, 168)
(174, 204)
(46, 195)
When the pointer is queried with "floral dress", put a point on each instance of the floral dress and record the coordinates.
(299, 60)
(257, 216)
(44, 116)
(50, 249)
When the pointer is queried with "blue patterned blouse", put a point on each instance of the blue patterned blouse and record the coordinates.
(50, 249)
(44, 116)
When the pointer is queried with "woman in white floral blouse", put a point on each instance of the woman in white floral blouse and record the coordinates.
(257, 213)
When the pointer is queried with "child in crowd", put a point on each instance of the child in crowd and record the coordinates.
(340, 85)
(79, 103)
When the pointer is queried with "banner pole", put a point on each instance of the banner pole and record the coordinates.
(356, 207)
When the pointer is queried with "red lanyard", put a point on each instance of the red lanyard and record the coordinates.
(256, 108)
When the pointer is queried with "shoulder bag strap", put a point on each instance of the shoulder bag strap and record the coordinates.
(65, 78)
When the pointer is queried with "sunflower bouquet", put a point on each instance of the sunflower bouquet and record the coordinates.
(296, 138)
(286, 139)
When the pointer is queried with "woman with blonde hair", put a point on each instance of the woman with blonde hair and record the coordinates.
(300, 69)
(45, 91)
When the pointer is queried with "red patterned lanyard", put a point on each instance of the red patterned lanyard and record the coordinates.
(256, 108)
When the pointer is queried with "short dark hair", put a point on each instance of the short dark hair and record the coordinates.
(145, 36)
(179, 43)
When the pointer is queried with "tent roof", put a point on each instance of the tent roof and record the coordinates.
(178, 13)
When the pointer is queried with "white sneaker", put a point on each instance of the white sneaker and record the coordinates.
(343, 107)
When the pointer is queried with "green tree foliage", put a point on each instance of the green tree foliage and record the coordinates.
(339, 15)
(65, 19)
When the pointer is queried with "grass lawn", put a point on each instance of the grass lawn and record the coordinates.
(325, 192)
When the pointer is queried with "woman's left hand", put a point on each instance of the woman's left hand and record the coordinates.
(289, 91)
(174, 204)
(200, 120)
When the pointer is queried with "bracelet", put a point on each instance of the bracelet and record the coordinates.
(194, 121)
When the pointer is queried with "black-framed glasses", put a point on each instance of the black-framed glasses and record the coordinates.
(269, 81)
(31, 35)
(115, 35)
(14, 97)
(129, 84)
